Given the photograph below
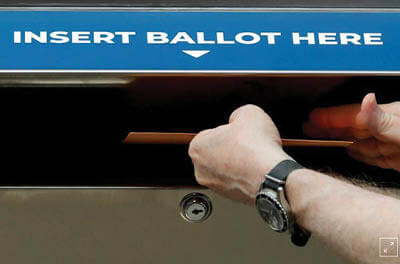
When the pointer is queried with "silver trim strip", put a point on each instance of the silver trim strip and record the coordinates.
(146, 72)
(202, 9)
(100, 187)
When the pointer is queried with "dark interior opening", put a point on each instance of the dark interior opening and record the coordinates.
(73, 136)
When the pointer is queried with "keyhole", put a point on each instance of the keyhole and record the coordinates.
(195, 207)
(197, 211)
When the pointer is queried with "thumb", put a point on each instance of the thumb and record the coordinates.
(382, 125)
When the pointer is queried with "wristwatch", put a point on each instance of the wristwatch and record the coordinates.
(272, 204)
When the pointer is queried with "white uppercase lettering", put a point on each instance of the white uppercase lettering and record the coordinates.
(182, 37)
(59, 37)
(201, 39)
(125, 36)
(353, 38)
(80, 37)
(271, 36)
(41, 38)
(310, 38)
(221, 39)
(254, 38)
(327, 39)
(17, 37)
(99, 37)
(157, 38)
(373, 39)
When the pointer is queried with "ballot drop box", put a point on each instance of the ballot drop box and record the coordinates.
(76, 78)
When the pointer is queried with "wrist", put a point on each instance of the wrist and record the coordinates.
(299, 189)
(271, 160)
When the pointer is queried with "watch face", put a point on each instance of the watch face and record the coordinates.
(272, 213)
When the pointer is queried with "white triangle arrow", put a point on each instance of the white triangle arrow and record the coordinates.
(196, 53)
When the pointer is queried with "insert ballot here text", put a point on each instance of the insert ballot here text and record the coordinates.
(198, 38)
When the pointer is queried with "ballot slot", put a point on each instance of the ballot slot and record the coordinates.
(72, 136)
(62, 80)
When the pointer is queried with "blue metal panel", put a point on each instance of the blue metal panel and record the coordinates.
(377, 49)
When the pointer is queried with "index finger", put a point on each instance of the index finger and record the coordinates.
(336, 117)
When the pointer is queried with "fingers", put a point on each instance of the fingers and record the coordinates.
(338, 116)
(377, 128)
(373, 148)
(365, 159)
(356, 121)
(342, 133)
(390, 162)
(385, 162)
(346, 115)
(335, 122)
(376, 153)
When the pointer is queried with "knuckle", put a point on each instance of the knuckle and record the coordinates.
(193, 149)
(197, 143)
(250, 108)
(245, 110)
(201, 180)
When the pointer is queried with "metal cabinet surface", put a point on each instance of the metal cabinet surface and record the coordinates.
(137, 226)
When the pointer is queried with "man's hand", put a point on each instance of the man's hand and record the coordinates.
(233, 158)
(375, 128)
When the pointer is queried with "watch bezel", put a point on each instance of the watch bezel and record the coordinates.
(264, 194)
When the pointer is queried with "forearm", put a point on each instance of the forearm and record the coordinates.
(349, 219)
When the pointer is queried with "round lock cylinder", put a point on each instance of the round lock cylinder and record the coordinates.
(195, 207)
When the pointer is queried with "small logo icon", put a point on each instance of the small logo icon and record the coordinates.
(388, 247)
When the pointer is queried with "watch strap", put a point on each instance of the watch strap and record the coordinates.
(279, 174)
(282, 170)
(300, 236)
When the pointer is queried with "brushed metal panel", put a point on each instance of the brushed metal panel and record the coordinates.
(137, 226)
